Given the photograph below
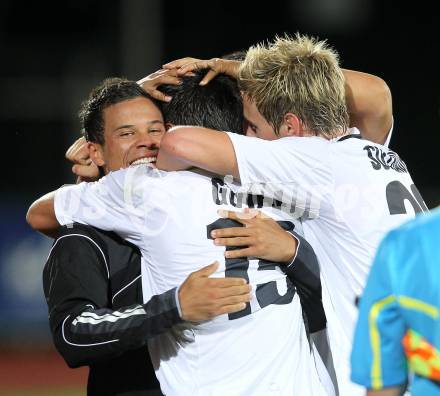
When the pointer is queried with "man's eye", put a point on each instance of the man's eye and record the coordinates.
(155, 131)
(253, 127)
(127, 133)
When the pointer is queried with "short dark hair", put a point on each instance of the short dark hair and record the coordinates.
(216, 105)
(111, 91)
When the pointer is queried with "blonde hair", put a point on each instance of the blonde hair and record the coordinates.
(298, 75)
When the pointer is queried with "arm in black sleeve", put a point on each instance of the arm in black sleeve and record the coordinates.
(304, 273)
(85, 330)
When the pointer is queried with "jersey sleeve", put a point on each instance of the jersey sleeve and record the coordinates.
(114, 203)
(304, 273)
(378, 360)
(294, 170)
(84, 327)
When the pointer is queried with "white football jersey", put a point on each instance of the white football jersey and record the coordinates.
(348, 193)
(262, 350)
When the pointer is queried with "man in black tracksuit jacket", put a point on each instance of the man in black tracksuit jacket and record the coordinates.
(95, 276)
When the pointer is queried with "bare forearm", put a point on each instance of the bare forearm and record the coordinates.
(41, 215)
(184, 147)
(369, 104)
(168, 160)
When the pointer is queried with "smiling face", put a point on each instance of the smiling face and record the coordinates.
(133, 130)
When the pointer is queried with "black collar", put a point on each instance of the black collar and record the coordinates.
(352, 136)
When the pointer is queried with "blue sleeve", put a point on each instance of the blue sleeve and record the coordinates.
(378, 359)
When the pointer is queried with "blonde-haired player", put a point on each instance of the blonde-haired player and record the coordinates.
(347, 191)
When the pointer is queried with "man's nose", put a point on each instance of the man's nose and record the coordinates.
(144, 139)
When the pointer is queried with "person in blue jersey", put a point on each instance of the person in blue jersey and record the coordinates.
(398, 331)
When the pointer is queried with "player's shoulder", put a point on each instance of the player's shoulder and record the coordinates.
(76, 240)
(378, 156)
(303, 141)
(133, 172)
(410, 235)
(81, 235)
(307, 148)
(424, 224)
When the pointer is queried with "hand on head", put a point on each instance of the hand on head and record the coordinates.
(154, 80)
(216, 65)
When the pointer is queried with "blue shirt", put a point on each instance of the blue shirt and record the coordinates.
(402, 293)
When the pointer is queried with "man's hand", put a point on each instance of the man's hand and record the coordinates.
(202, 298)
(158, 78)
(216, 66)
(83, 167)
(260, 237)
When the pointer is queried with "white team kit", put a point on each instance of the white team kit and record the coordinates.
(262, 350)
(348, 193)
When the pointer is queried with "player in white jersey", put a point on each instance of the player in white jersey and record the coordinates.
(347, 191)
(260, 350)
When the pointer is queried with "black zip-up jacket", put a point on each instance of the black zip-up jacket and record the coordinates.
(92, 284)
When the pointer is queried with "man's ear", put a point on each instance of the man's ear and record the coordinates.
(291, 126)
(168, 125)
(96, 153)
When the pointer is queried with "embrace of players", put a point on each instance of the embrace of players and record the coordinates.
(225, 220)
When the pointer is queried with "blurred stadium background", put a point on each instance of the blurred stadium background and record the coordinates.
(54, 53)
